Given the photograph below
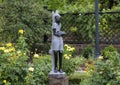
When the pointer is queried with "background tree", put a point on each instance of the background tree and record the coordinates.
(71, 5)
(108, 4)
(28, 15)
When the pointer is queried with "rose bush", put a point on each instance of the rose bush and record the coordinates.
(13, 65)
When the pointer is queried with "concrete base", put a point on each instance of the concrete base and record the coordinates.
(58, 81)
(57, 75)
(58, 78)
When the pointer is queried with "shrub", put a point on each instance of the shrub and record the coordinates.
(13, 65)
(42, 67)
(88, 52)
(70, 65)
(108, 50)
(105, 72)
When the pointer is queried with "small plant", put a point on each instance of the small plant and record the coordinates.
(108, 50)
(88, 52)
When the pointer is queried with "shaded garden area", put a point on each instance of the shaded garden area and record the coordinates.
(25, 39)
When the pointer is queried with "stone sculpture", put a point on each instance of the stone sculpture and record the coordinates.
(57, 43)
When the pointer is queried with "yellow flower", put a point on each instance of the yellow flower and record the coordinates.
(4, 81)
(72, 49)
(100, 57)
(12, 49)
(36, 56)
(67, 57)
(24, 53)
(100, 72)
(2, 48)
(31, 69)
(19, 52)
(6, 51)
(21, 31)
(9, 44)
(70, 55)
(66, 45)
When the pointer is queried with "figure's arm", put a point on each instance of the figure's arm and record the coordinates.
(55, 33)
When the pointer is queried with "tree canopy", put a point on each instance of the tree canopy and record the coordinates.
(23, 14)
(80, 5)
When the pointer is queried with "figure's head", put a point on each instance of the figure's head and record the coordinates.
(56, 17)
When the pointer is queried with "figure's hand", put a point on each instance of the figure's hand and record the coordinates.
(56, 33)
(61, 33)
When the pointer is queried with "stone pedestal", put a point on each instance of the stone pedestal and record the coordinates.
(58, 79)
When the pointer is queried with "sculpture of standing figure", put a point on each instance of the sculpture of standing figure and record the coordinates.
(57, 42)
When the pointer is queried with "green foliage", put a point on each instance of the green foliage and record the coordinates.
(108, 50)
(108, 24)
(55, 4)
(105, 72)
(88, 52)
(80, 5)
(108, 4)
(21, 43)
(27, 15)
(71, 6)
(80, 25)
(13, 65)
(87, 27)
(76, 78)
(69, 66)
(70, 62)
(116, 8)
(83, 26)
(42, 67)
